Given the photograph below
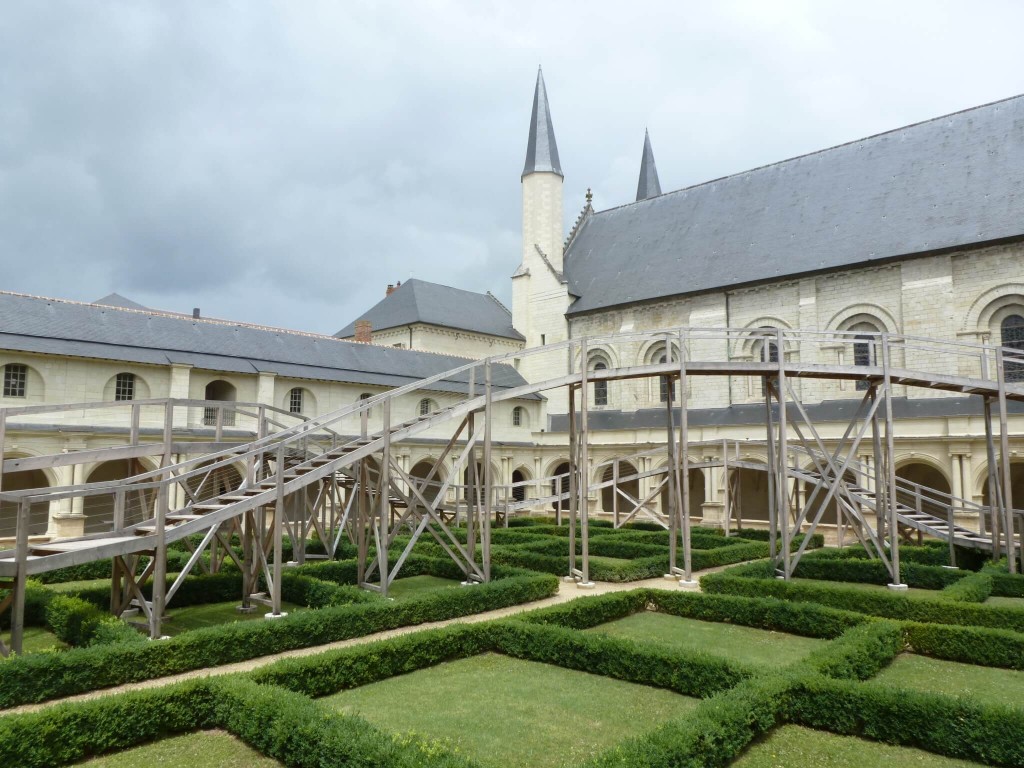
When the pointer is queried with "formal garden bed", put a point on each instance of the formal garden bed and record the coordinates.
(642, 677)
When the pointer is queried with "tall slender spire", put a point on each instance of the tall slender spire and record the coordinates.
(648, 186)
(541, 150)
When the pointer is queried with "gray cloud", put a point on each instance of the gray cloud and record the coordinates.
(282, 162)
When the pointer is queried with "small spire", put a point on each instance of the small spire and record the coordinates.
(648, 186)
(590, 196)
(541, 150)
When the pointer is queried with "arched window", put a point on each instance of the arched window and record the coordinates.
(518, 416)
(295, 400)
(600, 387)
(15, 379)
(124, 386)
(864, 348)
(427, 406)
(1012, 336)
(769, 354)
(219, 390)
(666, 387)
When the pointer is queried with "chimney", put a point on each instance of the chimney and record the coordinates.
(389, 291)
(195, 313)
(364, 331)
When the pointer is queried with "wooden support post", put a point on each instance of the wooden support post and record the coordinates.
(133, 438)
(21, 560)
(782, 482)
(772, 499)
(890, 466)
(582, 439)
(994, 492)
(1004, 461)
(684, 462)
(572, 481)
(485, 528)
(877, 467)
(615, 492)
(156, 611)
(384, 497)
(279, 515)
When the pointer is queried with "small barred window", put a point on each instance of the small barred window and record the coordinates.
(15, 377)
(124, 386)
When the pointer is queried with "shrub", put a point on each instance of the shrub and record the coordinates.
(974, 588)
(970, 645)
(959, 728)
(860, 652)
(73, 620)
(38, 677)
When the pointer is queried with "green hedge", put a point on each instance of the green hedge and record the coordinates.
(893, 605)
(38, 677)
(955, 727)
(970, 645)
(859, 653)
(974, 588)
(710, 735)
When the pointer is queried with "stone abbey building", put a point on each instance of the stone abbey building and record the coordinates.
(917, 231)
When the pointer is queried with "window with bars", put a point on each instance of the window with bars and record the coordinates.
(769, 354)
(666, 387)
(295, 400)
(426, 407)
(600, 387)
(863, 354)
(1012, 333)
(124, 386)
(15, 379)
(517, 416)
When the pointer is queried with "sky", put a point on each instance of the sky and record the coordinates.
(281, 163)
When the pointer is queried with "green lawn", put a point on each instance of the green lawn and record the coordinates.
(209, 749)
(36, 639)
(1005, 602)
(508, 712)
(199, 616)
(793, 745)
(414, 586)
(988, 684)
(910, 592)
(745, 644)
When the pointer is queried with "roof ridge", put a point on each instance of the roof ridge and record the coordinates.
(498, 302)
(815, 152)
(177, 316)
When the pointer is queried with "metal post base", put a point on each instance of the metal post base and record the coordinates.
(690, 585)
(897, 587)
(585, 585)
(273, 615)
(245, 609)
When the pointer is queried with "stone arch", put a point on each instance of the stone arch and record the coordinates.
(140, 387)
(753, 492)
(632, 487)
(219, 390)
(39, 512)
(300, 401)
(748, 345)
(929, 473)
(521, 474)
(469, 493)
(555, 468)
(698, 492)
(1016, 484)
(34, 385)
(221, 480)
(99, 509)
(985, 308)
(426, 406)
(421, 470)
(863, 312)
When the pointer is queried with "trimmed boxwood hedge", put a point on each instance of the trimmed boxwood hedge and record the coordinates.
(955, 727)
(753, 581)
(38, 677)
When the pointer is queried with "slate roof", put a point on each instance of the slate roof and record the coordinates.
(417, 301)
(945, 183)
(59, 327)
(541, 149)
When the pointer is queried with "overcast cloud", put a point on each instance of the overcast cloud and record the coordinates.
(280, 163)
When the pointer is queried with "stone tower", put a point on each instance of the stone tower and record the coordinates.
(539, 294)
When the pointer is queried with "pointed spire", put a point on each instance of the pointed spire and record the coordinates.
(648, 186)
(541, 150)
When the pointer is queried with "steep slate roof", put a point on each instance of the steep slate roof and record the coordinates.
(945, 183)
(58, 327)
(541, 149)
(648, 185)
(417, 301)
